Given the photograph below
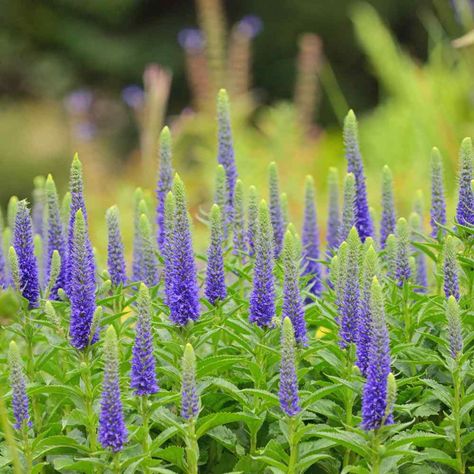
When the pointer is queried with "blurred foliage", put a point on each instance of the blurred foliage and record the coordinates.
(389, 54)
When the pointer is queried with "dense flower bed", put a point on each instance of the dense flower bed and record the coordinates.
(265, 355)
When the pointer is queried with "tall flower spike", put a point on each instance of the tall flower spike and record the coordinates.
(387, 223)
(348, 210)
(391, 256)
(438, 200)
(143, 375)
(23, 244)
(220, 197)
(55, 237)
(18, 385)
(252, 219)
(465, 206)
(3, 263)
(262, 298)
(275, 208)
(82, 285)
(350, 304)
(76, 188)
(168, 246)
(421, 277)
(137, 261)
(292, 302)
(112, 430)
(288, 392)
(189, 395)
(240, 241)
(332, 237)
(184, 295)
(454, 327)
(66, 210)
(403, 271)
(11, 211)
(451, 268)
(38, 208)
(150, 263)
(354, 165)
(375, 394)
(338, 277)
(310, 240)
(216, 289)
(115, 258)
(165, 182)
(225, 154)
(370, 269)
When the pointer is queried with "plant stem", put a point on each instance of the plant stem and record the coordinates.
(457, 419)
(349, 397)
(293, 445)
(145, 413)
(89, 398)
(116, 463)
(192, 448)
(375, 467)
(27, 448)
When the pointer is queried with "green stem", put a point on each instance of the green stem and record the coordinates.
(27, 448)
(457, 419)
(375, 467)
(349, 397)
(293, 445)
(116, 463)
(192, 448)
(89, 398)
(145, 414)
(253, 441)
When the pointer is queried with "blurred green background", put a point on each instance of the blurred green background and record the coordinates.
(67, 67)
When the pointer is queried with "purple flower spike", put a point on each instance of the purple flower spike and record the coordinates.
(189, 396)
(454, 327)
(81, 286)
(288, 392)
(350, 303)
(348, 210)
(216, 289)
(4, 280)
(250, 26)
(76, 188)
(292, 302)
(191, 39)
(402, 270)
(143, 376)
(112, 430)
(421, 277)
(376, 403)
(133, 96)
(332, 237)
(168, 246)
(240, 239)
(262, 298)
(310, 236)
(451, 268)
(252, 219)
(55, 237)
(115, 258)
(438, 200)
(275, 209)
(370, 269)
(39, 201)
(165, 183)
(184, 294)
(387, 224)
(139, 208)
(20, 401)
(465, 206)
(150, 274)
(23, 245)
(225, 154)
(363, 219)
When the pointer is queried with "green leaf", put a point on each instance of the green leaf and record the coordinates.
(208, 422)
(353, 441)
(418, 438)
